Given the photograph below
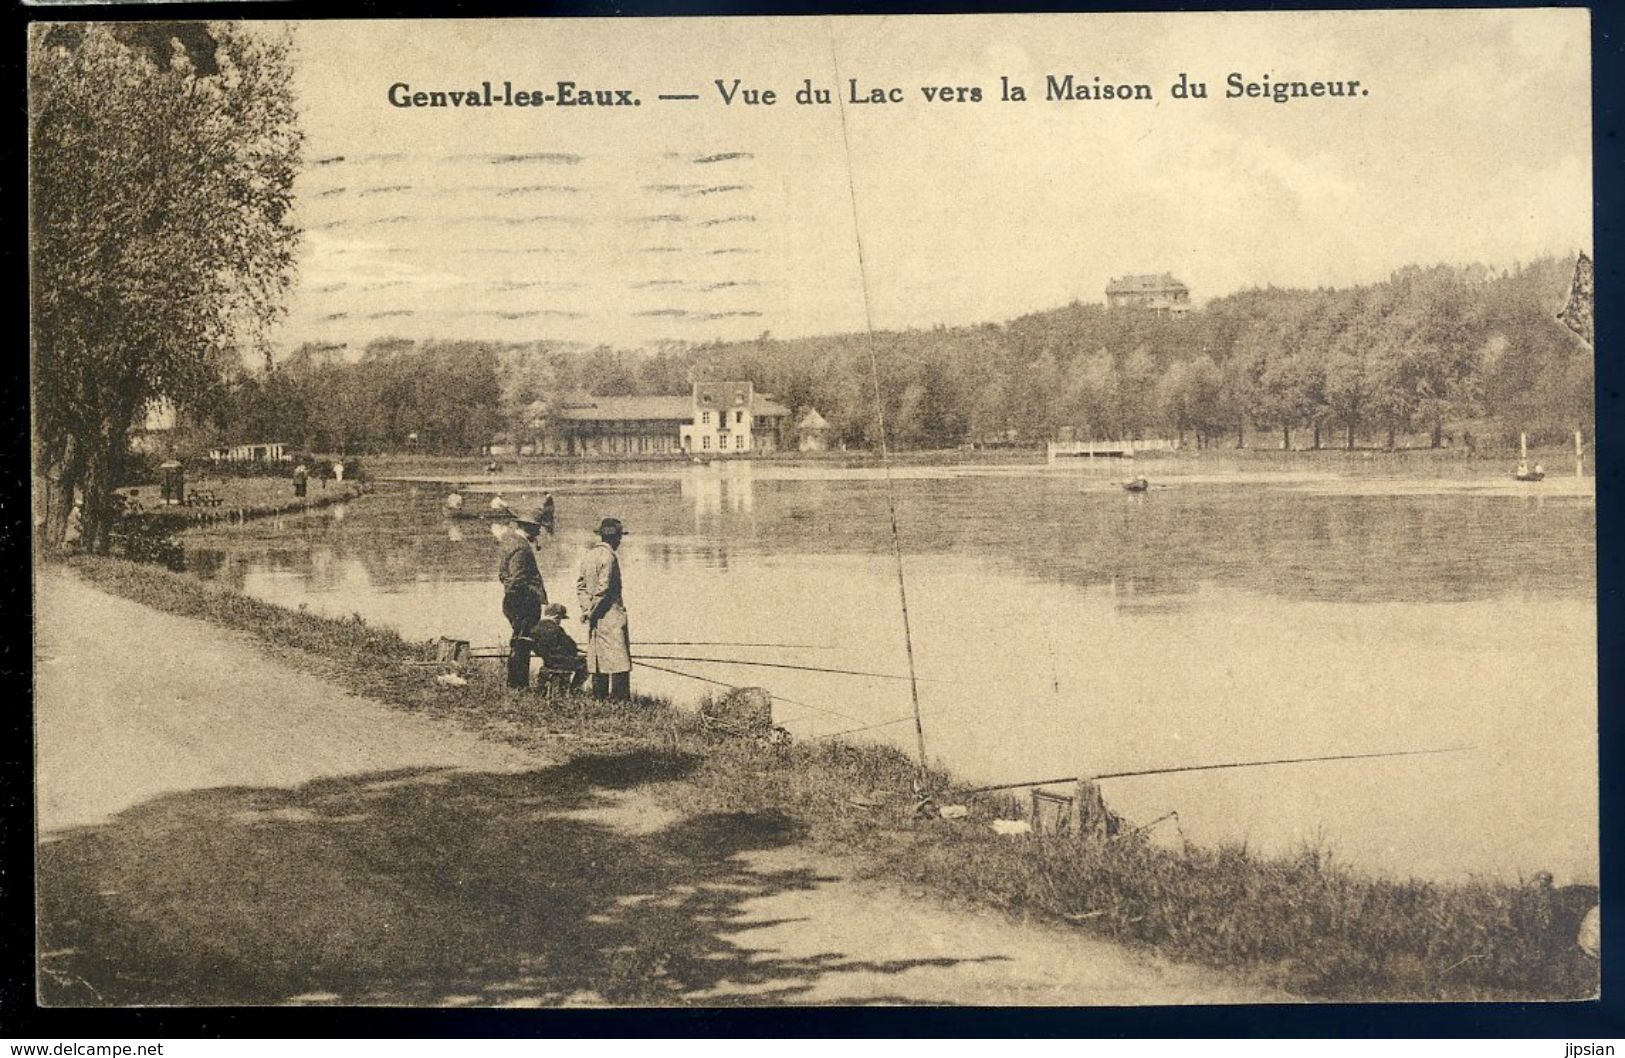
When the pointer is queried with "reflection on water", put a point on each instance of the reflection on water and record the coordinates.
(1063, 625)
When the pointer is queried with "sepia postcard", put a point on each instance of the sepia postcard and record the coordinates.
(1020, 510)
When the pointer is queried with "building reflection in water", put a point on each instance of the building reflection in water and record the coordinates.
(670, 556)
(717, 489)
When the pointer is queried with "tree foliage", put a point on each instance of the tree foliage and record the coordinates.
(1434, 350)
(161, 166)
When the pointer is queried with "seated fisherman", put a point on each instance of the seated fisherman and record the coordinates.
(560, 656)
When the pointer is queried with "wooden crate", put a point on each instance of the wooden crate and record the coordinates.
(451, 651)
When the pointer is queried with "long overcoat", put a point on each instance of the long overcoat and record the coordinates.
(598, 597)
(523, 593)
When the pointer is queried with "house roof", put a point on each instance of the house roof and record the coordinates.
(812, 421)
(1144, 284)
(599, 409)
(650, 409)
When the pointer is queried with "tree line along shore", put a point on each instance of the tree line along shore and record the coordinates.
(1301, 922)
(1433, 357)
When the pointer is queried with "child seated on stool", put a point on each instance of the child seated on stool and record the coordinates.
(562, 663)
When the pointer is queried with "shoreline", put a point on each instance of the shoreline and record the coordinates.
(1421, 465)
(1299, 923)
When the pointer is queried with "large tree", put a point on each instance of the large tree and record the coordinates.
(161, 166)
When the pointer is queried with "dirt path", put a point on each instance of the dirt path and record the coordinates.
(218, 827)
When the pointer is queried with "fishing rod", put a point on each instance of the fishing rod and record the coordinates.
(1214, 767)
(777, 665)
(726, 643)
(497, 650)
(490, 653)
(735, 687)
(880, 407)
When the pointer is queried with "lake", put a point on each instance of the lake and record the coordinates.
(1063, 626)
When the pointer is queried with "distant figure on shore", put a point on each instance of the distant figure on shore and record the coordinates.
(1540, 471)
(558, 651)
(547, 512)
(498, 503)
(454, 502)
(492, 467)
(301, 474)
(598, 595)
(523, 593)
(338, 471)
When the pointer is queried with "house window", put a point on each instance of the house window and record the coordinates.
(705, 418)
(739, 416)
(739, 441)
(705, 442)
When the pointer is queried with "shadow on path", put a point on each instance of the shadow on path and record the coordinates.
(417, 887)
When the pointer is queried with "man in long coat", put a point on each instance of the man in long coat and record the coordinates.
(598, 594)
(523, 593)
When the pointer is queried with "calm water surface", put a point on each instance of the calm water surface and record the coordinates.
(1064, 626)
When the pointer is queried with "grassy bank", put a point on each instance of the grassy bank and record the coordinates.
(1299, 922)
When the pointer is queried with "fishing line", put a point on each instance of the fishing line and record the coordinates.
(866, 727)
(880, 410)
(726, 643)
(1215, 767)
(733, 687)
(780, 665)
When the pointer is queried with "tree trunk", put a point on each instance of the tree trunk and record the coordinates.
(1390, 437)
(58, 475)
(1317, 435)
(1438, 433)
(96, 513)
(1286, 438)
(1350, 442)
(1241, 437)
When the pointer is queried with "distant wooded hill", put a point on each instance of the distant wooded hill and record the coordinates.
(1427, 354)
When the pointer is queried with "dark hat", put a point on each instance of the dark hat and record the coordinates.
(530, 517)
(555, 610)
(611, 523)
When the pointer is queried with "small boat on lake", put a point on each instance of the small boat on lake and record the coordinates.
(1136, 485)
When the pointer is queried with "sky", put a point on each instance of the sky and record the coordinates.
(696, 220)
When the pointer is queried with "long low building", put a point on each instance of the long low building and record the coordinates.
(716, 419)
(259, 452)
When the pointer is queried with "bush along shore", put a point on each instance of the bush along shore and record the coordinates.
(1299, 922)
(177, 518)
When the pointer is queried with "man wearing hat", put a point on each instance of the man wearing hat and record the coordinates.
(559, 653)
(523, 593)
(598, 592)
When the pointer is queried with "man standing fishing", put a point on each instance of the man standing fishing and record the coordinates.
(598, 593)
(523, 593)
